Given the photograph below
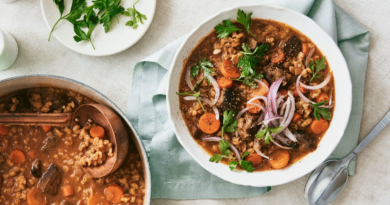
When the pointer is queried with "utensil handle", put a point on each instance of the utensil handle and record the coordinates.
(49, 119)
(382, 124)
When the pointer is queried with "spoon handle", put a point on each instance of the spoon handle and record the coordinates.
(51, 119)
(382, 124)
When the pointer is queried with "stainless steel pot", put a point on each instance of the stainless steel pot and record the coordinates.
(10, 85)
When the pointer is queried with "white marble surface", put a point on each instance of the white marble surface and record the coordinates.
(174, 18)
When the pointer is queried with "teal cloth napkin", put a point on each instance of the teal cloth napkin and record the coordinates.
(175, 174)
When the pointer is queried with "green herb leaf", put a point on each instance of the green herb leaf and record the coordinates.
(247, 165)
(61, 6)
(224, 145)
(136, 17)
(320, 65)
(229, 123)
(216, 158)
(90, 23)
(266, 133)
(194, 71)
(233, 165)
(261, 134)
(275, 130)
(245, 20)
(226, 29)
(324, 112)
(205, 65)
(110, 14)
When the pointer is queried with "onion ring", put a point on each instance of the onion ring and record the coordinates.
(217, 139)
(309, 56)
(188, 79)
(305, 98)
(319, 86)
(216, 86)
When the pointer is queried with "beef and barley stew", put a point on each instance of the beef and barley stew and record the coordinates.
(256, 94)
(43, 165)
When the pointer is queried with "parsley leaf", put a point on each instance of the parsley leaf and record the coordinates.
(216, 158)
(224, 146)
(226, 29)
(320, 65)
(325, 113)
(266, 133)
(194, 71)
(196, 95)
(90, 23)
(111, 12)
(135, 15)
(248, 63)
(229, 123)
(77, 9)
(245, 20)
(247, 165)
(205, 65)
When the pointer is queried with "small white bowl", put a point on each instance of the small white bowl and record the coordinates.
(331, 138)
(8, 50)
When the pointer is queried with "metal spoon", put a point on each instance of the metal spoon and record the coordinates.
(327, 181)
(102, 115)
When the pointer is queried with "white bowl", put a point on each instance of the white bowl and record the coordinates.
(331, 138)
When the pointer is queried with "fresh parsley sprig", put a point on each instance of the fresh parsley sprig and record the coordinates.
(77, 9)
(248, 63)
(224, 146)
(325, 113)
(136, 16)
(205, 65)
(229, 123)
(225, 29)
(245, 20)
(112, 9)
(320, 65)
(247, 165)
(90, 22)
(266, 133)
(195, 94)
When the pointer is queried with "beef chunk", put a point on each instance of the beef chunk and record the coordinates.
(305, 141)
(49, 143)
(36, 168)
(275, 71)
(293, 46)
(50, 180)
(229, 99)
(252, 43)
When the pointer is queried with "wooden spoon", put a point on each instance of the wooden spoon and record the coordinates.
(102, 115)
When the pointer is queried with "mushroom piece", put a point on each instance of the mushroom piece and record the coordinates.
(35, 169)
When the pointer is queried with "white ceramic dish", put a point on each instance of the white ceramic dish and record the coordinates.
(119, 38)
(8, 50)
(331, 138)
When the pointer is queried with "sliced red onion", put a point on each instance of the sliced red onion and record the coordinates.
(330, 97)
(271, 119)
(261, 118)
(319, 86)
(216, 86)
(257, 148)
(289, 135)
(188, 79)
(258, 105)
(262, 84)
(216, 111)
(290, 111)
(217, 139)
(241, 112)
(305, 98)
(273, 93)
(309, 56)
(287, 111)
(284, 106)
(281, 146)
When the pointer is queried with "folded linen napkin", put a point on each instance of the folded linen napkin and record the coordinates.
(175, 174)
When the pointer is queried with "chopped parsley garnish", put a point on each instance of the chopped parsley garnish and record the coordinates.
(224, 146)
(247, 165)
(229, 122)
(135, 15)
(205, 65)
(266, 133)
(195, 94)
(320, 65)
(248, 63)
(227, 28)
(325, 113)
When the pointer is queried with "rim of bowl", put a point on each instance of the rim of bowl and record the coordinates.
(145, 160)
(347, 79)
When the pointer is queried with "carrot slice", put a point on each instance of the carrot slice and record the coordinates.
(97, 131)
(114, 193)
(279, 158)
(46, 128)
(67, 191)
(97, 199)
(32, 154)
(322, 97)
(319, 126)
(4, 130)
(254, 158)
(36, 197)
(305, 49)
(229, 70)
(283, 92)
(224, 82)
(261, 90)
(296, 117)
(208, 123)
(302, 89)
(17, 156)
(254, 109)
(278, 57)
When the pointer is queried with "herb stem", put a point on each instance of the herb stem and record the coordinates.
(92, 44)
(54, 27)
